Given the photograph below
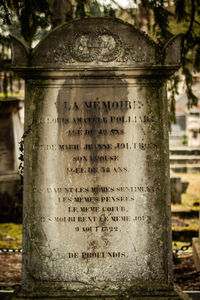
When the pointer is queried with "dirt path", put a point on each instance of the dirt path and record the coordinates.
(185, 273)
(10, 268)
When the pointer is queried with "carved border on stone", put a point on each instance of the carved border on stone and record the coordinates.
(101, 45)
(133, 54)
(59, 55)
(98, 46)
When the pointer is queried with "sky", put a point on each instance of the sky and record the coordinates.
(122, 3)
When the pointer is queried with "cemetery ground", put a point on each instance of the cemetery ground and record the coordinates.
(185, 225)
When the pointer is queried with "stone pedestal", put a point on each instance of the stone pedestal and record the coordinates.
(96, 184)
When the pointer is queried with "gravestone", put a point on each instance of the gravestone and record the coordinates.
(96, 181)
(11, 130)
(178, 187)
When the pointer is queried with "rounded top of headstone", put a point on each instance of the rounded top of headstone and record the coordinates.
(95, 42)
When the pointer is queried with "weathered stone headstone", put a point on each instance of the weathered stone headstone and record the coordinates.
(96, 182)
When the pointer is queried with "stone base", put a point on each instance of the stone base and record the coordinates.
(196, 252)
(177, 294)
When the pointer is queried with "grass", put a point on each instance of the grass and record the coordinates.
(13, 95)
(193, 224)
(176, 245)
(10, 235)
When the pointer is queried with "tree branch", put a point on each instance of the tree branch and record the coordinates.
(191, 20)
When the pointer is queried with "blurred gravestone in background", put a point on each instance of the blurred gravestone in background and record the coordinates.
(11, 130)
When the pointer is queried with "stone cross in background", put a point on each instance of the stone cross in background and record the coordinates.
(96, 182)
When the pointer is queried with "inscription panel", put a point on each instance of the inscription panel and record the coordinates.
(97, 183)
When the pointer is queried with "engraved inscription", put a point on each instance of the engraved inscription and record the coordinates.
(98, 142)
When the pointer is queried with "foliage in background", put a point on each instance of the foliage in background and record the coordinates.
(30, 20)
(10, 235)
(167, 18)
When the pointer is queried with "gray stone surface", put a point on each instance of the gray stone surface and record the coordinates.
(96, 186)
(196, 252)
